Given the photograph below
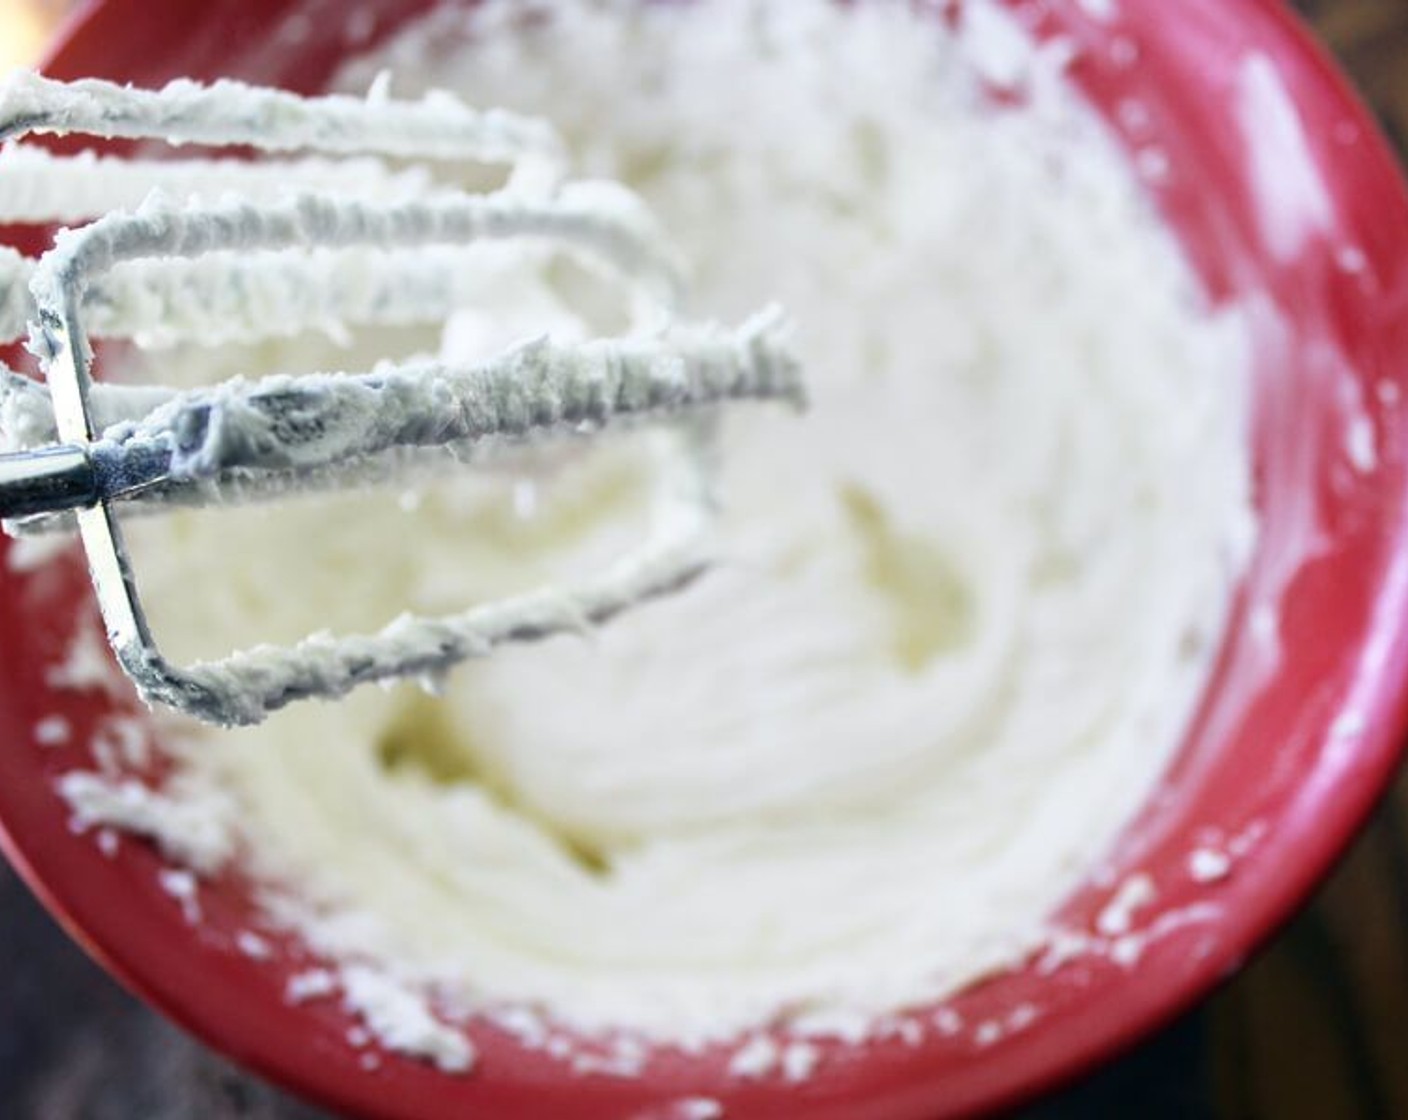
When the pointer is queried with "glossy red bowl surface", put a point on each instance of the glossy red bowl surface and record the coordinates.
(1278, 183)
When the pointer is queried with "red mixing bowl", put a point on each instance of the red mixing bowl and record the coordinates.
(1278, 183)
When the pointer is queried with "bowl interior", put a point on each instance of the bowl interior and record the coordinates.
(1282, 192)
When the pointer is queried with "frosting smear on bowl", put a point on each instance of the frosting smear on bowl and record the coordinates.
(966, 605)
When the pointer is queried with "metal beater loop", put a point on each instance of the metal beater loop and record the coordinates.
(294, 243)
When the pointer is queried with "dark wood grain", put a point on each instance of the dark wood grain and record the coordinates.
(75, 1046)
(1318, 1025)
(1316, 1028)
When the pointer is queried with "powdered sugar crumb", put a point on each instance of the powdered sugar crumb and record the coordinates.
(991, 1031)
(558, 1047)
(624, 1056)
(1207, 865)
(1062, 947)
(183, 887)
(1102, 10)
(253, 946)
(189, 823)
(1126, 951)
(315, 983)
(402, 1021)
(1118, 915)
(53, 731)
(700, 1108)
(1360, 445)
(909, 1032)
(996, 46)
(838, 1023)
(799, 1061)
(120, 744)
(756, 1058)
(525, 1024)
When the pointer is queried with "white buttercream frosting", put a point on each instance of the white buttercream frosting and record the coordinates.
(968, 602)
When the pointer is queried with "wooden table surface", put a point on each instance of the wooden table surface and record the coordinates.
(1316, 1028)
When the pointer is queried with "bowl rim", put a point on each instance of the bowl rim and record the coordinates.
(1304, 858)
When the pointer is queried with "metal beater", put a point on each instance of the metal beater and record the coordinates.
(338, 238)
